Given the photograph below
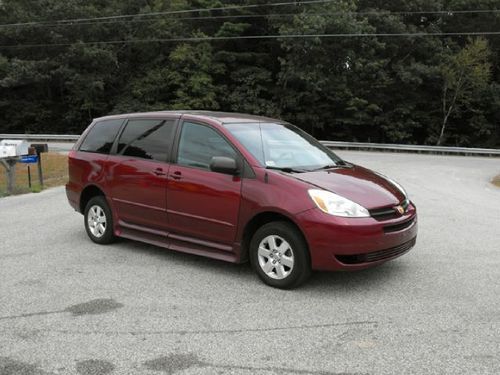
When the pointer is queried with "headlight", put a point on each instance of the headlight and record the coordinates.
(336, 205)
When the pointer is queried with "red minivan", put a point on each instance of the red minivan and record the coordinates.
(236, 187)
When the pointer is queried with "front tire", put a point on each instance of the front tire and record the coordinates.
(279, 255)
(99, 221)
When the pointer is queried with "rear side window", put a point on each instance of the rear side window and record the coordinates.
(101, 136)
(199, 144)
(147, 139)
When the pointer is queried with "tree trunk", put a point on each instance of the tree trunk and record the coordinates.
(443, 128)
(445, 118)
(447, 113)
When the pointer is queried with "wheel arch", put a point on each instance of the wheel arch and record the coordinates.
(263, 218)
(87, 194)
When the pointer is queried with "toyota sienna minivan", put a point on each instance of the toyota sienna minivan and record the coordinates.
(237, 188)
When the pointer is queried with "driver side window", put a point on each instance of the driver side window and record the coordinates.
(198, 144)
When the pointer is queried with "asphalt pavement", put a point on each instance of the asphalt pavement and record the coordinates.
(68, 306)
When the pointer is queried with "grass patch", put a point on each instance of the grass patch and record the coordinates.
(36, 189)
(496, 181)
(55, 173)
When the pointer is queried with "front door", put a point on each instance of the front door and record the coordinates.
(138, 173)
(202, 205)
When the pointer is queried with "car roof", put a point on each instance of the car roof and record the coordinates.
(222, 117)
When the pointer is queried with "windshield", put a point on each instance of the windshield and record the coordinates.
(283, 146)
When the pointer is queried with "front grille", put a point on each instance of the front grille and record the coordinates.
(377, 255)
(384, 213)
(388, 212)
(400, 226)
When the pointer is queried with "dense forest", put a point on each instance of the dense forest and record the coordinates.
(354, 70)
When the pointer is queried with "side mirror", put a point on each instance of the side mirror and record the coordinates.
(222, 164)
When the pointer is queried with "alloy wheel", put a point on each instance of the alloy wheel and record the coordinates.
(276, 257)
(96, 220)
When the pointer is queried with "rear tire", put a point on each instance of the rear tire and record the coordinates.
(98, 221)
(279, 255)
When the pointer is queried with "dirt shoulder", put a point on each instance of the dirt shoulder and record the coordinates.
(496, 181)
(55, 173)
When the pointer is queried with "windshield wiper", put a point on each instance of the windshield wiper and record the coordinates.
(286, 169)
(329, 166)
(340, 164)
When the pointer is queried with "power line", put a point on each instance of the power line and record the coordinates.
(253, 16)
(122, 18)
(184, 11)
(250, 37)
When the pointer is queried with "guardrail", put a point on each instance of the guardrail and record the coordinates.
(42, 137)
(413, 148)
(331, 144)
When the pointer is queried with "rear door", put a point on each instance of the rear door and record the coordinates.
(202, 205)
(137, 175)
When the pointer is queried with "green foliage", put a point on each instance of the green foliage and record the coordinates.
(191, 77)
(383, 89)
(465, 75)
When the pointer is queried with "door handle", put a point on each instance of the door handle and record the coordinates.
(177, 175)
(159, 172)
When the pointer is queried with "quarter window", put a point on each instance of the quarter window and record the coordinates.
(199, 144)
(147, 139)
(101, 137)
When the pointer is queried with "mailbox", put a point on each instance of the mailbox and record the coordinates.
(10, 148)
(40, 148)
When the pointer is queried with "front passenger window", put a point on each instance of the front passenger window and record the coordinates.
(199, 144)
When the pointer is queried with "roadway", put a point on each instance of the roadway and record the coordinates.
(62, 147)
(68, 306)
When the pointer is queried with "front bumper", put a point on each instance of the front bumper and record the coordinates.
(337, 243)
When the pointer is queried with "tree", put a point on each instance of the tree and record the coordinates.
(370, 88)
(191, 77)
(465, 74)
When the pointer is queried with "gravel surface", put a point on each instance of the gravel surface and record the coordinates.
(68, 306)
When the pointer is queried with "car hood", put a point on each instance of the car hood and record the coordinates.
(356, 183)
